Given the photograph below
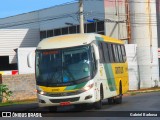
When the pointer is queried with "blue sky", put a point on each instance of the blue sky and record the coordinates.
(14, 7)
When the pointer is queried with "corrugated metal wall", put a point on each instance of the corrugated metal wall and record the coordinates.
(56, 17)
(11, 39)
(28, 20)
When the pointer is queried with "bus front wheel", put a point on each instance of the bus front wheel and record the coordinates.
(98, 105)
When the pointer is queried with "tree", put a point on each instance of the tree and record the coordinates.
(4, 92)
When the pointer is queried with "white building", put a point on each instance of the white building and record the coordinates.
(26, 30)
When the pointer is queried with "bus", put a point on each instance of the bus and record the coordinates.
(80, 69)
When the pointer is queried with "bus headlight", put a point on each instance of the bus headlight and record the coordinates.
(88, 87)
(40, 91)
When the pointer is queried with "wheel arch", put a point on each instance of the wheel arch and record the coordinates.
(102, 90)
(120, 87)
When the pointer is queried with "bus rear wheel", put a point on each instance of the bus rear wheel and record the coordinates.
(118, 99)
(110, 100)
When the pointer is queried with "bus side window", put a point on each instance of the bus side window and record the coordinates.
(115, 54)
(111, 58)
(101, 53)
(123, 53)
(94, 62)
(105, 51)
(120, 53)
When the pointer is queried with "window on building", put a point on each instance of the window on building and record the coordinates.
(5, 64)
(91, 27)
(78, 29)
(102, 33)
(65, 30)
(43, 34)
(100, 27)
(72, 29)
(49, 33)
(57, 32)
(97, 27)
(85, 28)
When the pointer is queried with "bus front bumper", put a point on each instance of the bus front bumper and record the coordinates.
(85, 97)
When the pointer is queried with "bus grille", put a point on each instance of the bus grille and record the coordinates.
(65, 100)
(62, 94)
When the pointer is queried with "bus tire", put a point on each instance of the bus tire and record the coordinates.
(52, 108)
(110, 100)
(98, 105)
(118, 99)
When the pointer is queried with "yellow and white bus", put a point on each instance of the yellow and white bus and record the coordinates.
(80, 68)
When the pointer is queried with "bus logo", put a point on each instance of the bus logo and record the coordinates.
(119, 70)
(55, 90)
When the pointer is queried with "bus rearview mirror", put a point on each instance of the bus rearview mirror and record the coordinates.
(31, 59)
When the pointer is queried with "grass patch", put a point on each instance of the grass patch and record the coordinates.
(143, 91)
(18, 102)
(133, 93)
(5, 104)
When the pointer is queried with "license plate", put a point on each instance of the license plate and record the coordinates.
(65, 103)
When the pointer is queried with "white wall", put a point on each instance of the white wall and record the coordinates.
(131, 52)
(22, 55)
(144, 34)
(11, 39)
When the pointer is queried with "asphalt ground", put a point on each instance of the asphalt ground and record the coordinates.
(34, 105)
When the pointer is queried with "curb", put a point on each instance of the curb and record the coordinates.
(134, 92)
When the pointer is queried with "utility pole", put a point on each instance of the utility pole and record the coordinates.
(128, 21)
(81, 16)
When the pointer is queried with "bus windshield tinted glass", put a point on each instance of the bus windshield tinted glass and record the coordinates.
(62, 66)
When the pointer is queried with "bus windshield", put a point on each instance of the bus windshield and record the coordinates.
(57, 67)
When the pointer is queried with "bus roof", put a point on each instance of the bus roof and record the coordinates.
(71, 40)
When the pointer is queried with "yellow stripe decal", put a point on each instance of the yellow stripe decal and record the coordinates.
(63, 89)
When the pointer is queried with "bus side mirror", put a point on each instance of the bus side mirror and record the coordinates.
(31, 59)
(96, 52)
